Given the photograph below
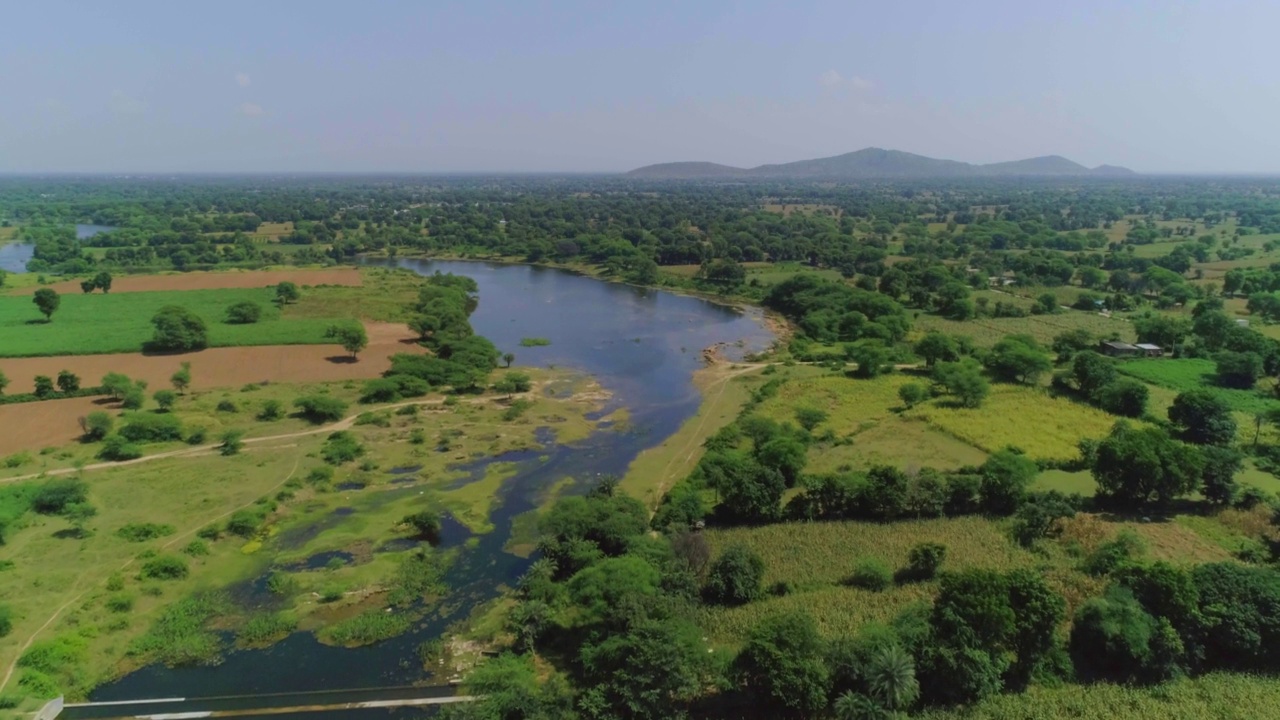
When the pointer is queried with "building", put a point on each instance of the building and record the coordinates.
(1149, 350)
(1115, 348)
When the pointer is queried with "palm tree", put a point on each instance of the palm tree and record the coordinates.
(891, 678)
(854, 706)
(509, 358)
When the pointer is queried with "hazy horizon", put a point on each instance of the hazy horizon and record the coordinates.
(490, 88)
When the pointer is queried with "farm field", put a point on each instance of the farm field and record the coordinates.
(222, 280)
(89, 324)
(1184, 374)
(1044, 328)
(933, 433)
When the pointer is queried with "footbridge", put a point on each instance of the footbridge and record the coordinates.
(371, 702)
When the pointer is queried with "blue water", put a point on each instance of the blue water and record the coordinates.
(87, 231)
(14, 256)
(642, 345)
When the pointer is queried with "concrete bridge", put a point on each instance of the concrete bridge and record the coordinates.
(350, 702)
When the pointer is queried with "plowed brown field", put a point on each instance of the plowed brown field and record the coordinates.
(214, 280)
(41, 424)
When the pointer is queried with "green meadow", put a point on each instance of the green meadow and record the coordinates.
(98, 323)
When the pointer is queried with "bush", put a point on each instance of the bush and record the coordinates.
(244, 313)
(142, 532)
(165, 399)
(871, 575)
(165, 567)
(341, 447)
(177, 329)
(120, 603)
(381, 390)
(232, 443)
(197, 436)
(735, 577)
(96, 425)
(320, 476)
(6, 620)
(151, 427)
(117, 449)
(1124, 397)
(56, 496)
(244, 522)
(196, 548)
(924, 560)
(226, 405)
(1111, 555)
(271, 410)
(320, 408)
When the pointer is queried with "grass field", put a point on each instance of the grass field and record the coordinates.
(105, 617)
(90, 324)
(1044, 328)
(932, 434)
(1185, 374)
(1221, 696)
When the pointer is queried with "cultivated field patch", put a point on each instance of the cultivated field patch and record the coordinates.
(225, 280)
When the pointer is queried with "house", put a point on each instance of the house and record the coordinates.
(1115, 348)
(1149, 350)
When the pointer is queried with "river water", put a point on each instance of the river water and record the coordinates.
(14, 256)
(642, 345)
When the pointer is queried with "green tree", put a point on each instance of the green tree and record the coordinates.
(1125, 397)
(964, 381)
(1135, 467)
(782, 667)
(244, 313)
(653, 671)
(1018, 358)
(1005, 477)
(735, 576)
(1167, 331)
(1091, 372)
(47, 301)
(810, 418)
(891, 678)
(232, 442)
(181, 380)
(351, 337)
(117, 385)
(508, 358)
(871, 357)
(68, 382)
(912, 393)
(1218, 481)
(319, 408)
(96, 425)
(1113, 638)
(1203, 417)
(784, 454)
(287, 292)
(102, 281)
(1070, 342)
(4, 382)
(165, 399)
(937, 347)
(1238, 369)
(177, 329)
(44, 386)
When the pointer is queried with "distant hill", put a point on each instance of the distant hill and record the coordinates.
(872, 163)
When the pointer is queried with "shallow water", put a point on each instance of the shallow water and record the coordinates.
(14, 256)
(642, 345)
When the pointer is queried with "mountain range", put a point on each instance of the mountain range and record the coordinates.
(875, 163)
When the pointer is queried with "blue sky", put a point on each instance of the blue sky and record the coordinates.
(593, 86)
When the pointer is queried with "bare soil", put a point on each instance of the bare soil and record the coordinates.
(31, 426)
(214, 280)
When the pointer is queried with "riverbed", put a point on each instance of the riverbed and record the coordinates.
(642, 345)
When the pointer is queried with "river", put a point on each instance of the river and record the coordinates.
(643, 345)
(14, 256)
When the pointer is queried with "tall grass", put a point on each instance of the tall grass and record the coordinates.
(179, 635)
(368, 627)
(1193, 374)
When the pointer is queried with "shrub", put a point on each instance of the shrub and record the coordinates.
(924, 560)
(244, 522)
(735, 577)
(177, 329)
(165, 567)
(320, 476)
(232, 442)
(165, 399)
(142, 532)
(380, 390)
(151, 427)
(120, 603)
(226, 405)
(196, 548)
(320, 408)
(56, 496)
(341, 447)
(871, 575)
(271, 410)
(6, 620)
(197, 436)
(244, 313)
(1111, 555)
(97, 425)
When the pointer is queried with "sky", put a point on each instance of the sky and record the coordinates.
(589, 86)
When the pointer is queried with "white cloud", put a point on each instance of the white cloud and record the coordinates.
(250, 109)
(242, 80)
(832, 78)
(122, 104)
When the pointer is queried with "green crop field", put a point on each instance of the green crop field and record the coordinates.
(97, 323)
(1193, 374)
(1044, 328)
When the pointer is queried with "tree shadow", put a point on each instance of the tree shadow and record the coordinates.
(341, 359)
(39, 321)
(71, 534)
